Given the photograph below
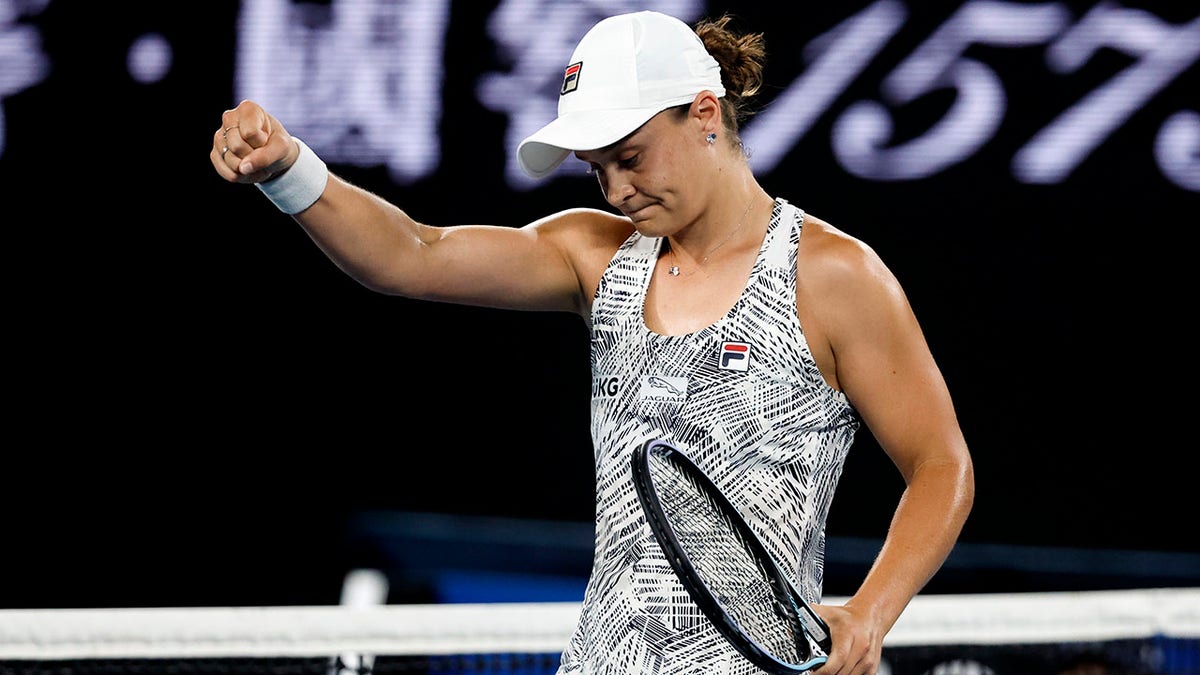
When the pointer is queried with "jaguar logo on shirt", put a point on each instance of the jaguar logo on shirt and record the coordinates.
(663, 388)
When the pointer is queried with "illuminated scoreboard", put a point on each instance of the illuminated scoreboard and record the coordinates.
(365, 82)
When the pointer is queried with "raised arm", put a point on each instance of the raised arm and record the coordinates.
(550, 264)
(881, 360)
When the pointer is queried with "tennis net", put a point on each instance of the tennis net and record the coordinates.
(1147, 631)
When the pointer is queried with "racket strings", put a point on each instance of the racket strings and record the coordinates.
(726, 563)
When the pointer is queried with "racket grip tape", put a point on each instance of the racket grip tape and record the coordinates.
(815, 626)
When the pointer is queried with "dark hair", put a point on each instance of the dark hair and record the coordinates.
(741, 56)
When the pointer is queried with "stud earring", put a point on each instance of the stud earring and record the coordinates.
(711, 138)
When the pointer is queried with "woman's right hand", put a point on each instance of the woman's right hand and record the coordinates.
(251, 146)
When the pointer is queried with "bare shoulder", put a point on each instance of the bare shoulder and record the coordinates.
(848, 300)
(586, 224)
(844, 285)
(588, 236)
(830, 258)
(587, 239)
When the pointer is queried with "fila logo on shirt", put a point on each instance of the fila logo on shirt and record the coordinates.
(735, 356)
(571, 78)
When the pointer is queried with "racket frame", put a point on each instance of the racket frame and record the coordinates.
(787, 597)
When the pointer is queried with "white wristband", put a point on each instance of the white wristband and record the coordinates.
(302, 184)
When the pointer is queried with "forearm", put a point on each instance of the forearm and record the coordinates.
(365, 236)
(372, 241)
(926, 524)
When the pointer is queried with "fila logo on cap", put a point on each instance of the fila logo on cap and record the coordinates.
(571, 78)
(735, 356)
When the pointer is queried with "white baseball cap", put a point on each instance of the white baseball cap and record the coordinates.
(625, 70)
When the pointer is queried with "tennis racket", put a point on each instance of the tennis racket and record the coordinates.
(724, 566)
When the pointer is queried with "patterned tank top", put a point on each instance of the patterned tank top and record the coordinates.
(744, 398)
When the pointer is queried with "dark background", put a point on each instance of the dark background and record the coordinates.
(200, 405)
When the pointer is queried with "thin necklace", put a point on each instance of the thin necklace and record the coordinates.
(673, 270)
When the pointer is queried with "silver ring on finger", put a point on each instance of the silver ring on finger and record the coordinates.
(223, 151)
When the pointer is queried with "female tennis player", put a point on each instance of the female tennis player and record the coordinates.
(723, 318)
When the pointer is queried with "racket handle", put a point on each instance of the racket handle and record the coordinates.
(816, 626)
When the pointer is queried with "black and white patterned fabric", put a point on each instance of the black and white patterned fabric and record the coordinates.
(744, 399)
